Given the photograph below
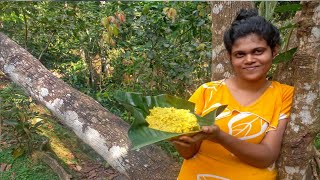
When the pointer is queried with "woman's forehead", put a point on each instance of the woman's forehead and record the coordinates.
(249, 41)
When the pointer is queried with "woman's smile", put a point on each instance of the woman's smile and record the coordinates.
(251, 68)
(251, 57)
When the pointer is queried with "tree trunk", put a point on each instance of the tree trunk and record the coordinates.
(93, 124)
(303, 73)
(284, 71)
(297, 150)
(223, 13)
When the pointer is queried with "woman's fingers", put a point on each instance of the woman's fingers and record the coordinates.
(183, 141)
(180, 143)
(186, 139)
(206, 133)
(199, 137)
(210, 129)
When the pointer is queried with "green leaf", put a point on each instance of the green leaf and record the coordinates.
(288, 8)
(11, 122)
(201, 22)
(39, 123)
(17, 152)
(285, 56)
(139, 133)
(288, 26)
(266, 9)
(115, 30)
(145, 9)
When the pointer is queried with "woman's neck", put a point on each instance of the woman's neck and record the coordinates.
(252, 86)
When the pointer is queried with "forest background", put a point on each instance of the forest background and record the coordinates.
(99, 48)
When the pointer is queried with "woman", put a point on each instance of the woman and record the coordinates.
(246, 139)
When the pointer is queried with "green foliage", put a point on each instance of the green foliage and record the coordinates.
(168, 147)
(23, 168)
(156, 47)
(317, 141)
(74, 73)
(285, 56)
(267, 8)
(277, 13)
(16, 113)
(281, 14)
(288, 8)
(159, 47)
(173, 49)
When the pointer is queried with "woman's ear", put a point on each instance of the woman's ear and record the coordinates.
(275, 51)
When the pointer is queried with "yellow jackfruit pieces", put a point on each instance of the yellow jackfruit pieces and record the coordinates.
(172, 120)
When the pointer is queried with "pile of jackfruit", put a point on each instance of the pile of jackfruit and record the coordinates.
(170, 119)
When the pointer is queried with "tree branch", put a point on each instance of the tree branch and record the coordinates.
(54, 165)
(25, 29)
(45, 48)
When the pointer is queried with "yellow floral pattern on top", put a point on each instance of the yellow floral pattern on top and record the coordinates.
(248, 123)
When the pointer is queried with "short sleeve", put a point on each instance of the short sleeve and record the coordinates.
(287, 96)
(203, 97)
(198, 98)
(283, 101)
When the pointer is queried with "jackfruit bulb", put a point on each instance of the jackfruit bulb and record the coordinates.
(172, 120)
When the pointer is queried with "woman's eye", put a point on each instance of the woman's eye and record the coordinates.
(258, 52)
(239, 55)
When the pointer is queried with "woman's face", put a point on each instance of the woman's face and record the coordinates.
(251, 57)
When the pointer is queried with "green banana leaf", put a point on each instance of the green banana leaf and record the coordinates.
(139, 133)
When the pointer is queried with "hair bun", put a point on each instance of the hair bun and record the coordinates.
(246, 13)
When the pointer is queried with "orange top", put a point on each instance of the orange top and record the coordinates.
(248, 123)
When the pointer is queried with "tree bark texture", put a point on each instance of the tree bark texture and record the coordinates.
(297, 151)
(92, 123)
(284, 71)
(223, 13)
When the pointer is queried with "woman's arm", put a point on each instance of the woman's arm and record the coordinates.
(259, 155)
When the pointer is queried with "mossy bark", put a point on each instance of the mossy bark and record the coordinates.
(297, 150)
(223, 13)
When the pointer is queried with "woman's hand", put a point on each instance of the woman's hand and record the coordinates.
(188, 146)
(210, 132)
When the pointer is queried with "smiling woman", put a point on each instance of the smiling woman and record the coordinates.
(252, 57)
(245, 141)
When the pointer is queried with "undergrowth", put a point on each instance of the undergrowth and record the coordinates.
(24, 168)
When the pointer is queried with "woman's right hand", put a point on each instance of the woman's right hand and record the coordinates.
(188, 146)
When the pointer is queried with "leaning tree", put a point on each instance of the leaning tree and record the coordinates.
(91, 122)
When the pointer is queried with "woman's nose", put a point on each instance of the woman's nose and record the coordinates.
(249, 58)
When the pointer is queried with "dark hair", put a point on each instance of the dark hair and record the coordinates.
(248, 22)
